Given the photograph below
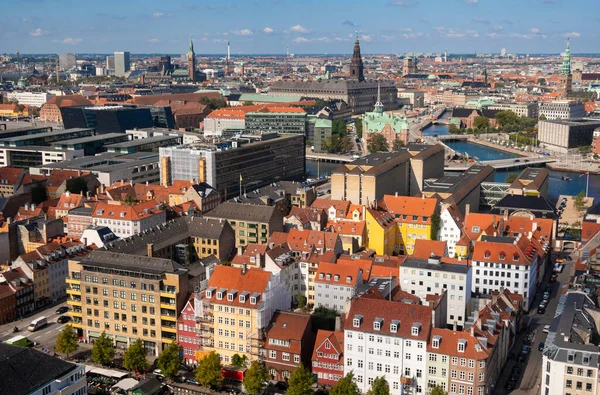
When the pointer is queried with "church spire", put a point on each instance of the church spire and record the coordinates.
(191, 46)
(356, 66)
(566, 64)
(378, 104)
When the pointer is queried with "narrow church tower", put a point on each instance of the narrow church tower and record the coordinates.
(356, 67)
(191, 60)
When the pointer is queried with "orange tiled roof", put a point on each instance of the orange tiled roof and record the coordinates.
(231, 278)
(426, 248)
(135, 212)
(342, 271)
(409, 206)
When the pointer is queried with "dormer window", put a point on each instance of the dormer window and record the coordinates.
(415, 329)
(571, 357)
(336, 277)
(208, 293)
(435, 342)
(243, 297)
(321, 276)
(329, 277)
(252, 299)
(357, 321)
(462, 345)
(219, 295)
(486, 254)
(501, 256)
(475, 229)
(377, 324)
(586, 359)
(231, 295)
(394, 326)
(516, 257)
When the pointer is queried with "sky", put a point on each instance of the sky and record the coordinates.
(303, 26)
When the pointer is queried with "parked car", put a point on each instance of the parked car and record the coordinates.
(192, 381)
(63, 319)
(554, 278)
(541, 310)
(525, 349)
(62, 310)
(541, 346)
(546, 328)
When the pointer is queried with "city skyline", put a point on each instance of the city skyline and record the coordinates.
(461, 26)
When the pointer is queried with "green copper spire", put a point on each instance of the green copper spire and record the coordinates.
(356, 36)
(378, 104)
(566, 64)
(191, 46)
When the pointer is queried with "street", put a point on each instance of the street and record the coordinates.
(530, 376)
(45, 337)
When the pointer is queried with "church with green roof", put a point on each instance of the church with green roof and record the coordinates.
(393, 127)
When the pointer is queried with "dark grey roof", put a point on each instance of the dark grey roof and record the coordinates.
(426, 265)
(24, 370)
(148, 386)
(115, 260)
(538, 205)
(84, 211)
(173, 232)
(242, 212)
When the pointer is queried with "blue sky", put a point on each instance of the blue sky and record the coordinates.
(306, 26)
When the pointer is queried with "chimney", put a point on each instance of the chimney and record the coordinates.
(467, 209)
(396, 194)
(150, 249)
(84, 241)
(244, 269)
(505, 215)
(101, 188)
(338, 323)
(258, 261)
(146, 182)
(240, 250)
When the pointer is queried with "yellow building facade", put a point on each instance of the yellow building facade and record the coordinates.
(381, 232)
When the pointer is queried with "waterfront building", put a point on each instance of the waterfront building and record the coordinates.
(532, 181)
(568, 134)
(432, 276)
(34, 99)
(235, 311)
(393, 127)
(389, 339)
(366, 180)
(129, 297)
(321, 135)
(562, 109)
(415, 98)
(328, 357)
(289, 343)
(121, 63)
(250, 162)
(26, 370)
(529, 109)
(570, 355)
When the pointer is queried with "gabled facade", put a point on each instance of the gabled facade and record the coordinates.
(188, 334)
(336, 283)
(450, 229)
(328, 357)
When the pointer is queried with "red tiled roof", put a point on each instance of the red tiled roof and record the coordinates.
(448, 344)
(335, 339)
(339, 274)
(426, 248)
(289, 327)
(232, 278)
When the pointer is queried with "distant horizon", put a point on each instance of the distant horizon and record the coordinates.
(303, 27)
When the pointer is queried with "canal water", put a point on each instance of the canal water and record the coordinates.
(557, 186)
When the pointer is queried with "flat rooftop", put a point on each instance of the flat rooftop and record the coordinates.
(48, 134)
(138, 142)
(90, 139)
(427, 265)
(106, 162)
(452, 182)
(575, 121)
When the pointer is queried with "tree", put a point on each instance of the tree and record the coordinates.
(213, 104)
(209, 370)
(511, 178)
(338, 127)
(77, 185)
(380, 386)
(453, 129)
(300, 382)
(398, 144)
(437, 390)
(323, 318)
(301, 301)
(541, 81)
(579, 201)
(255, 378)
(345, 386)
(359, 127)
(103, 351)
(435, 226)
(135, 357)
(247, 103)
(128, 200)
(542, 118)
(376, 143)
(481, 123)
(169, 360)
(506, 117)
(345, 144)
(66, 342)
(39, 194)
(239, 360)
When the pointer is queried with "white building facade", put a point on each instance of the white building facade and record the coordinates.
(450, 231)
(35, 99)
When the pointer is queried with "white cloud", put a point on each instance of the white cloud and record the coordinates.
(26, 20)
(471, 1)
(534, 30)
(406, 29)
(572, 34)
(72, 41)
(498, 28)
(268, 30)
(494, 35)
(36, 33)
(243, 32)
(366, 37)
(300, 40)
(299, 29)
(158, 14)
(153, 40)
(455, 35)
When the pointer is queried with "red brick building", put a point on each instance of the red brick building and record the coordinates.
(289, 343)
(328, 357)
(8, 304)
(51, 109)
(188, 336)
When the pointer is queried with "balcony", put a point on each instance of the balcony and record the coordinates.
(73, 281)
(76, 313)
(169, 306)
(168, 314)
(168, 324)
(164, 294)
(167, 329)
(74, 302)
(168, 337)
(406, 380)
